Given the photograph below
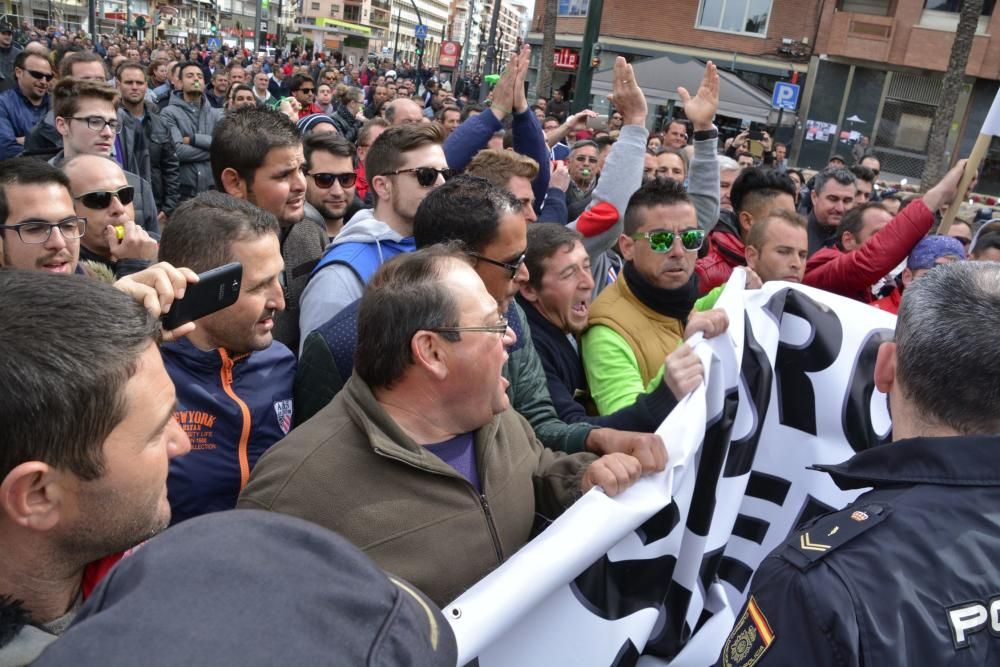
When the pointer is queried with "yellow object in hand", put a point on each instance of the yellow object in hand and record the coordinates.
(119, 232)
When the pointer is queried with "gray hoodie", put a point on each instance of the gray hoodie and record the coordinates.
(336, 286)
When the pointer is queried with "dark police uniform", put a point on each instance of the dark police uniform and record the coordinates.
(908, 574)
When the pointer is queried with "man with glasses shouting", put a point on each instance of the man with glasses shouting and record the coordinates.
(24, 105)
(644, 315)
(403, 165)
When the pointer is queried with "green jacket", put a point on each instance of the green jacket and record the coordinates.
(317, 381)
(354, 471)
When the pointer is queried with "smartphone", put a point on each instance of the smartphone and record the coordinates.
(597, 122)
(756, 134)
(216, 289)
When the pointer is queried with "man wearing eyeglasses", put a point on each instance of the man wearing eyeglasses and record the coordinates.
(25, 105)
(403, 165)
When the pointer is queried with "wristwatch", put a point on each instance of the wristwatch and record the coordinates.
(702, 135)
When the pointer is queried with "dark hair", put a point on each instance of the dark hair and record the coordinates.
(202, 230)
(366, 130)
(466, 209)
(470, 109)
(984, 242)
(388, 152)
(863, 173)
(22, 57)
(854, 220)
(946, 326)
(61, 392)
(607, 141)
(237, 87)
(71, 59)
(404, 296)
(837, 175)
(297, 81)
(545, 240)
(328, 142)
(68, 92)
(797, 172)
(26, 171)
(755, 185)
(678, 121)
(186, 64)
(129, 64)
(654, 193)
(243, 138)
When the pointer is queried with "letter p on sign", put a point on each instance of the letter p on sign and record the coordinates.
(786, 96)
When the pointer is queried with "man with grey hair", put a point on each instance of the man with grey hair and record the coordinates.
(905, 574)
(833, 194)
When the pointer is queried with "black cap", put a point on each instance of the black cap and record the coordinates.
(5, 26)
(250, 588)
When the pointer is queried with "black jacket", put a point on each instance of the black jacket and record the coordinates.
(165, 168)
(904, 575)
(820, 236)
(567, 382)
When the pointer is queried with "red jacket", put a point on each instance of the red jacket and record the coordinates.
(853, 273)
(726, 252)
(890, 304)
(313, 108)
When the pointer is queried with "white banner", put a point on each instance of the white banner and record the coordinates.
(661, 571)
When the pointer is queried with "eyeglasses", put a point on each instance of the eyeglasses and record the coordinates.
(40, 75)
(325, 180)
(498, 328)
(513, 268)
(39, 231)
(426, 176)
(307, 90)
(97, 124)
(101, 199)
(662, 240)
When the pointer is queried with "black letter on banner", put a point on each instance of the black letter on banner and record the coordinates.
(796, 398)
(857, 413)
(755, 370)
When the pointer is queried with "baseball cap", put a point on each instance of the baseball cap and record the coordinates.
(5, 26)
(927, 251)
(253, 588)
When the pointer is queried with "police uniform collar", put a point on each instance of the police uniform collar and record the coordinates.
(967, 460)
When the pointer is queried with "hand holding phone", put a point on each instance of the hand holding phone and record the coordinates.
(216, 289)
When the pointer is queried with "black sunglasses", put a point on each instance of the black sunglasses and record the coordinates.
(426, 176)
(40, 75)
(101, 199)
(325, 180)
(512, 267)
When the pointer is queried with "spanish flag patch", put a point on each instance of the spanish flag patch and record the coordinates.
(750, 638)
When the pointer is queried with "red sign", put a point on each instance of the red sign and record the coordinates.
(567, 58)
(450, 53)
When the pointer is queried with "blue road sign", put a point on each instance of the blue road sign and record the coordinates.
(786, 96)
(214, 43)
(420, 32)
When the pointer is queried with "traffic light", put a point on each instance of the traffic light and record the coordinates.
(140, 22)
(420, 47)
(214, 28)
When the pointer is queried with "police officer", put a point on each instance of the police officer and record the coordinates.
(909, 573)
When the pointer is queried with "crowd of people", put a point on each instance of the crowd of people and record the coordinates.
(453, 320)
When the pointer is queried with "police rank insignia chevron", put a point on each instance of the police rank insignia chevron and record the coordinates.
(750, 638)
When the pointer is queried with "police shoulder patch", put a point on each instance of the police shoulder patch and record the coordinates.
(750, 638)
(815, 540)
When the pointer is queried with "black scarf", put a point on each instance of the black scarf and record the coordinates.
(675, 303)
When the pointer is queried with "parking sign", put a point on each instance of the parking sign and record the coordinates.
(786, 96)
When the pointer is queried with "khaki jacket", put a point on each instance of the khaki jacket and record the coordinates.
(353, 470)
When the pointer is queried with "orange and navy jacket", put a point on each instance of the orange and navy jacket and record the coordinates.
(232, 409)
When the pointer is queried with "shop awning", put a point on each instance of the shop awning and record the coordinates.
(660, 77)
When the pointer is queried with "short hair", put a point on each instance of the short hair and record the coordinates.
(26, 171)
(237, 87)
(854, 220)
(584, 143)
(129, 64)
(756, 184)
(758, 231)
(365, 133)
(243, 138)
(498, 167)
(545, 240)
(608, 141)
(202, 230)
(727, 163)
(946, 326)
(470, 109)
(328, 142)
(467, 209)
(840, 175)
(448, 108)
(985, 242)
(863, 173)
(158, 62)
(71, 59)
(61, 392)
(181, 66)
(404, 296)
(797, 172)
(351, 94)
(654, 193)
(679, 121)
(297, 80)
(68, 92)
(220, 73)
(682, 154)
(23, 55)
(388, 152)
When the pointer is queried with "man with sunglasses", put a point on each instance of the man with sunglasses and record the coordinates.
(403, 165)
(25, 105)
(103, 195)
(641, 318)
(303, 89)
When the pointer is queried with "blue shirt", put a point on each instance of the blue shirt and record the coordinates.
(460, 454)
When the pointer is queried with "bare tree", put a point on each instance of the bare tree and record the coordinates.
(546, 61)
(951, 86)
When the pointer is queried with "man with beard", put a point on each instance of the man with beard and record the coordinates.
(88, 429)
(26, 103)
(190, 119)
(234, 381)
